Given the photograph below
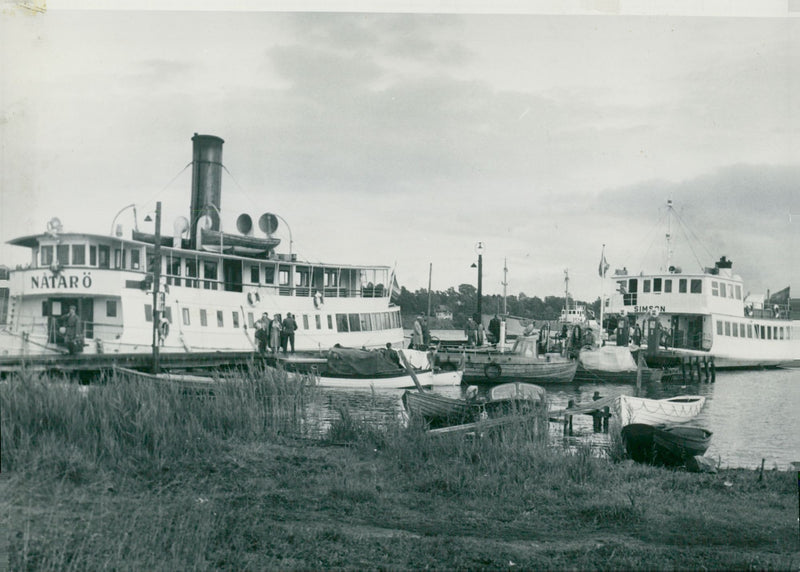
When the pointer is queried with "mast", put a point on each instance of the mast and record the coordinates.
(669, 234)
(505, 284)
(602, 289)
(430, 274)
(566, 294)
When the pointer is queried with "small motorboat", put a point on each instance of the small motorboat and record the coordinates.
(664, 444)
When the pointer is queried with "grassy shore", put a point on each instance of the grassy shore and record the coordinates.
(130, 475)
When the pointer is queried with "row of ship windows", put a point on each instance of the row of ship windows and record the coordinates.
(658, 285)
(344, 322)
(724, 290)
(757, 331)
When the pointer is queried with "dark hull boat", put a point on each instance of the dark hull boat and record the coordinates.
(665, 444)
(502, 400)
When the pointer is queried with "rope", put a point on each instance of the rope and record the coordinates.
(150, 200)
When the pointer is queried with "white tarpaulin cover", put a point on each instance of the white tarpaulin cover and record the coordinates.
(417, 359)
(608, 358)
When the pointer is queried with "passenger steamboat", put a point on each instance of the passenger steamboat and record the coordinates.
(212, 289)
(710, 313)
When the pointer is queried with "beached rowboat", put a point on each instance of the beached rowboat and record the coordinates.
(678, 409)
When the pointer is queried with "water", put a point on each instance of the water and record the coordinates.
(753, 414)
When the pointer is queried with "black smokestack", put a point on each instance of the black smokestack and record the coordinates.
(206, 181)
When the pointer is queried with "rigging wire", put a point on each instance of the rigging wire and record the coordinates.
(168, 185)
(696, 238)
(652, 231)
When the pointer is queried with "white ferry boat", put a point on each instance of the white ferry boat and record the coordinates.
(710, 314)
(214, 286)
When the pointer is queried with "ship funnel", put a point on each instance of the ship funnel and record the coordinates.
(244, 224)
(206, 182)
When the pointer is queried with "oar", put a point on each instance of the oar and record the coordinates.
(410, 370)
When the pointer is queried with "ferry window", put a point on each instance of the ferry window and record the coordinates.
(318, 320)
(727, 328)
(722, 289)
(668, 285)
(210, 275)
(330, 279)
(749, 330)
(185, 315)
(255, 274)
(62, 254)
(305, 321)
(366, 324)
(118, 261)
(135, 253)
(719, 327)
(269, 274)
(730, 291)
(78, 254)
(103, 256)
(283, 277)
(235, 319)
(646, 286)
(697, 286)
(173, 271)
(203, 318)
(250, 320)
(763, 334)
(111, 308)
(714, 288)
(780, 331)
(191, 272)
(354, 322)
(341, 322)
(656, 284)
(330, 322)
(92, 255)
(738, 291)
(301, 277)
(220, 321)
(769, 332)
(682, 286)
(735, 328)
(47, 255)
(148, 312)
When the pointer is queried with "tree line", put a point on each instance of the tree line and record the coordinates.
(462, 302)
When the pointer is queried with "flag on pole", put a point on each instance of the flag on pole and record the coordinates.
(603, 268)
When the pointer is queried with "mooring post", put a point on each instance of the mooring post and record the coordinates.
(705, 368)
(568, 418)
(713, 371)
(639, 367)
(699, 372)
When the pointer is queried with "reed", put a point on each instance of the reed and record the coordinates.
(125, 423)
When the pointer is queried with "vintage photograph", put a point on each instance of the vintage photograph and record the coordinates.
(399, 285)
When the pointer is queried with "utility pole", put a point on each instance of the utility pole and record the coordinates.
(505, 284)
(156, 284)
(430, 274)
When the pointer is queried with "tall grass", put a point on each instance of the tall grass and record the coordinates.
(137, 425)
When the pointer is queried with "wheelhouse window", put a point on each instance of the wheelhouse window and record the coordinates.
(78, 254)
(656, 284)
(62, 254)
(255, 274)
(92, 255)
(269, 274)
(135, 263)
(103, 256)
(646, 286)
(738, 291)
(697, 286)
(682, 286)
(668, 285)
(714, 288)
(46, 255)
(722, 289)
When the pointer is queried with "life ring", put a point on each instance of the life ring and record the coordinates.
(253, 298)
(319, 300)
(492, 370)
(748, 311)
(163, 328)
(777, 311)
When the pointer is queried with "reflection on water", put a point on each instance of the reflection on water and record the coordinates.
(753, 414)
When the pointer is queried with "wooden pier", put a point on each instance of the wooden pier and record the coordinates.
(599, 409)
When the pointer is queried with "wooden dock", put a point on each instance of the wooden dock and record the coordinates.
(599, 409)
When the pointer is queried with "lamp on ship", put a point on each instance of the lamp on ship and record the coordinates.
(135, 221)
(479, 248)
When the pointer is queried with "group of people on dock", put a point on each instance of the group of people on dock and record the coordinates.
(274, 335)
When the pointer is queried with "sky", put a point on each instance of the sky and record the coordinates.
(404, 138)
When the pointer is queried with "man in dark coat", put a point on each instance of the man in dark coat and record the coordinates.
(72, 334)
(289, 327)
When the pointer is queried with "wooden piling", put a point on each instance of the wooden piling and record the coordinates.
(705, 370)
(697, 367)
(639, 367)
(568, 418)
(713, 371)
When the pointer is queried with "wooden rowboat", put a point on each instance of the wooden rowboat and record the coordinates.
(666, 444)
(654, 412)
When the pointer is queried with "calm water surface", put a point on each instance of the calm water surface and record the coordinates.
(753, 414)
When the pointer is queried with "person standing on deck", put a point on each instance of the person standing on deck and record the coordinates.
(494, 329)
(426, 333)
(416, 334)
(275, 333)
(262, 333)
(72, 325)
(289, 327)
